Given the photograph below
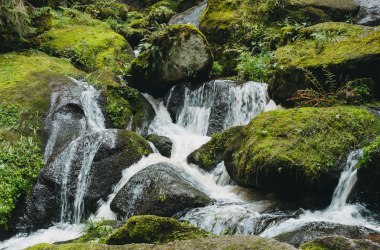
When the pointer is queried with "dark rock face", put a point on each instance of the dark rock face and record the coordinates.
(159, 190)
(162, 143)
(184, 56)
(336, 242)
(316, 230)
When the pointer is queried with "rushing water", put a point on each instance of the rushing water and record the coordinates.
(338, 211)
(369, 12)
(235, 210)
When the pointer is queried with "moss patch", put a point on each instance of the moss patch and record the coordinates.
(88, 42)
(154, 229)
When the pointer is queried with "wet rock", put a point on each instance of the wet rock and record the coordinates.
(316, 230)
(369, 13)
(154, 229)
(115, 150)
(162, 143)
(340, 243)
(160, 190)
(178, 53)
(42, 210)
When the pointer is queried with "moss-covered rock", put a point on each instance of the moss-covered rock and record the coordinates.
(178, 53)
(89, 43)
(176, 5)
(339, 243)
(154, 229)
(292, 149)
(347, 51)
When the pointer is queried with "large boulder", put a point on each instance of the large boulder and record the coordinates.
(339, 243)
(160, 190)
(314, 230)
(326, 54)
(178, 53)
(366, 190)
(270, 152)
(154, 229)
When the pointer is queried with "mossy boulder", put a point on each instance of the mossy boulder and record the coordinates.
(25, 88)
(367, 190)
(162, 143)
(161, 190)
(154, 229)
(348, 52)
(89, 43)
(339, 243)
(291, 149)
(178, 53)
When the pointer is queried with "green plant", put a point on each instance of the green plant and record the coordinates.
(329, 92)
(253, 67)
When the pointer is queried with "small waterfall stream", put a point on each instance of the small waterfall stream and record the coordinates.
(235, 210)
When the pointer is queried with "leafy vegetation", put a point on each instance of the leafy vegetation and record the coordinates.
(253, 67)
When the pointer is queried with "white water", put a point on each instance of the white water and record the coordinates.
(369, 11)
(243, 102)
(338, 211)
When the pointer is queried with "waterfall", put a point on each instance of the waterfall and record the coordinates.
(347, 181)
(220, 104)
(338, 211)
(82, 149)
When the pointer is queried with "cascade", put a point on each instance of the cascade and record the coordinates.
(214, 106)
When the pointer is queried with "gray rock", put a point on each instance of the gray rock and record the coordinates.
(160, 190)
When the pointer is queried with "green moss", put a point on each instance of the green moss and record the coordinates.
(329, 43)
(371, 155)
(136, 147)
(97, 232)
(154, 229)
(210, 154)
(282, 139)
(312, 246)
(89, 43)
